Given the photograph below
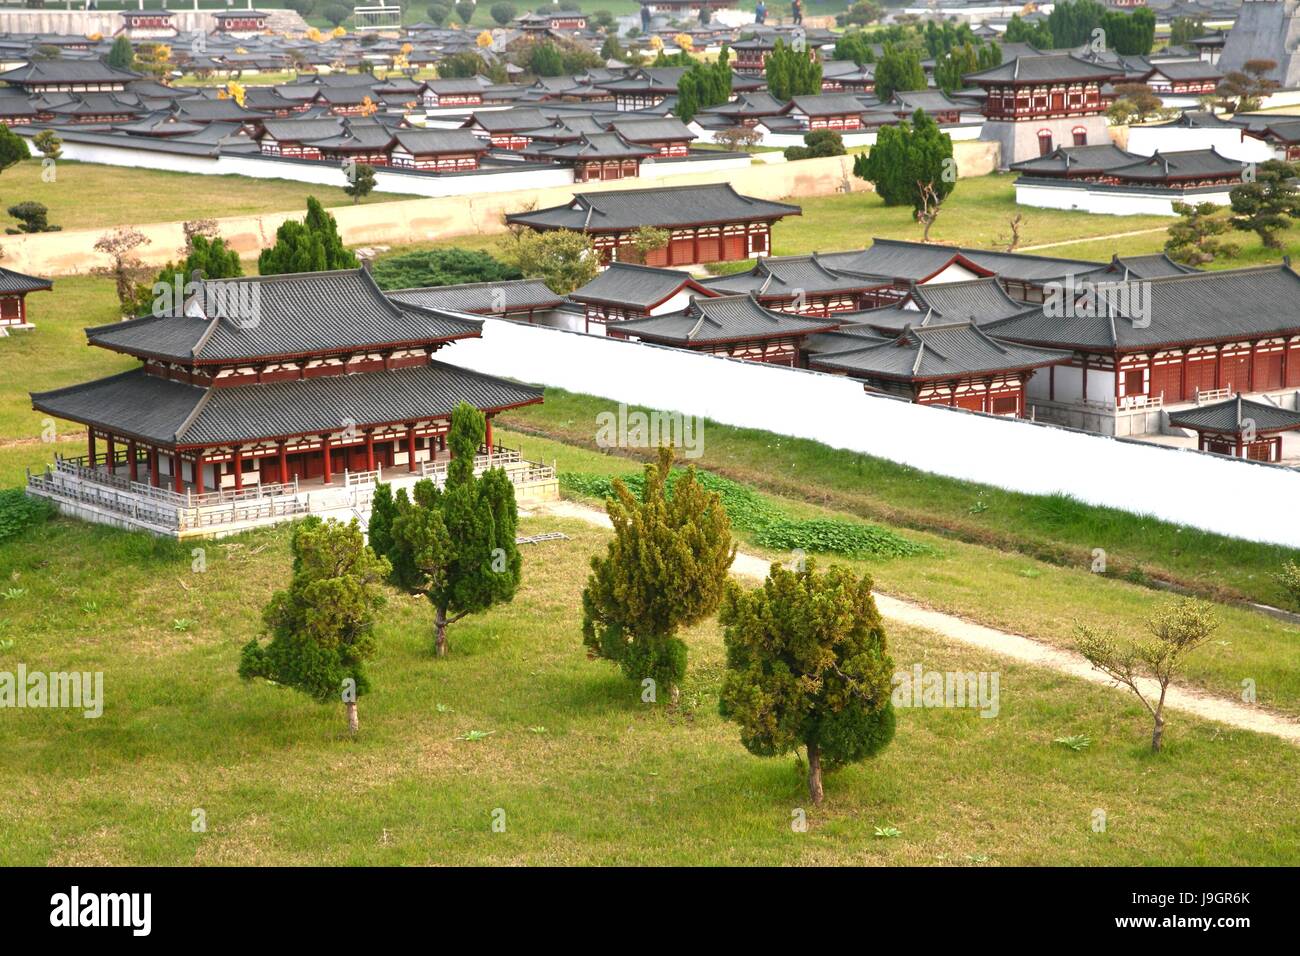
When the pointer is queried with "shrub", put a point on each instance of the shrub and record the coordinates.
(336, 13)
(769, 526)
(503, 13)
(32, 217)
(1289, 578)
(441, 267)
(18, 512)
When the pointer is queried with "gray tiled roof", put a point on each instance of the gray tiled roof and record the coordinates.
(1044, 69)
(302, 130)
(640, 287)
(1235, 416)
(1185, 309)
(724, 319)
(651, 129)
(915, 261)
(1077, 159)
(421, 142)
(591, 146)
(299, 313)
(828, 104)
(942, 351)
(66, 71)
(174, 413)
(664, 206)
(481, 297)
(784, 276)
(508, 121)
(11, 281)
(1193, 163)
(849, 336)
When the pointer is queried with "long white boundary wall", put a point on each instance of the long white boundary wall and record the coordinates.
(1236, 498)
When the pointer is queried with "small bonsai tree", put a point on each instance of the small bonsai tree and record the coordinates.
(1193, 238)
(361, 181)
(321, 628)
(807, 664)
(455, 545)
(32, 217)
(49, 144)
(664, 570)
(1267, 203)
(1178, 627)
(125, 269)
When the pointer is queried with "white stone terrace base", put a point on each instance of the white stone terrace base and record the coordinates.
(94, 495)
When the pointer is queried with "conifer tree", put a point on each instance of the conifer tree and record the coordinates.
(911, 164)
(121, 55)
(456, 544)
(1267, 203)
(313, 245)
(321, 628)
(792, 72)
(898, 72)
(664, 570)
(807, 663)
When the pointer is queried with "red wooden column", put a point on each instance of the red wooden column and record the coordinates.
(410, 447)
(153, 465)
(110, 452)
(178, 483)
(237, 458)
(198, 472)
(489, 438)
(326, 477)
(132, 470)
(284, 463)
(370, 449)
(90, 432)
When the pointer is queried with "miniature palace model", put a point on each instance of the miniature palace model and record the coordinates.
(326, 383)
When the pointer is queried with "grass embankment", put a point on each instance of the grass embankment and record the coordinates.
(583, 772)
(93, 196)
(1055, 528)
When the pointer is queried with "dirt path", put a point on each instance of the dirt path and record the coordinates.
(1024, 649)
(1074, 242)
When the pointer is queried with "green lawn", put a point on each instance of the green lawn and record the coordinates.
(55, 353)
(583, 772)
(996, 585)
(975, 215)
(93, 196)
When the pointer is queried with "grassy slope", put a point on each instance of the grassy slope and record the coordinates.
(1003, 589)
(1057, 528)
(606, 779)
(91, 196)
